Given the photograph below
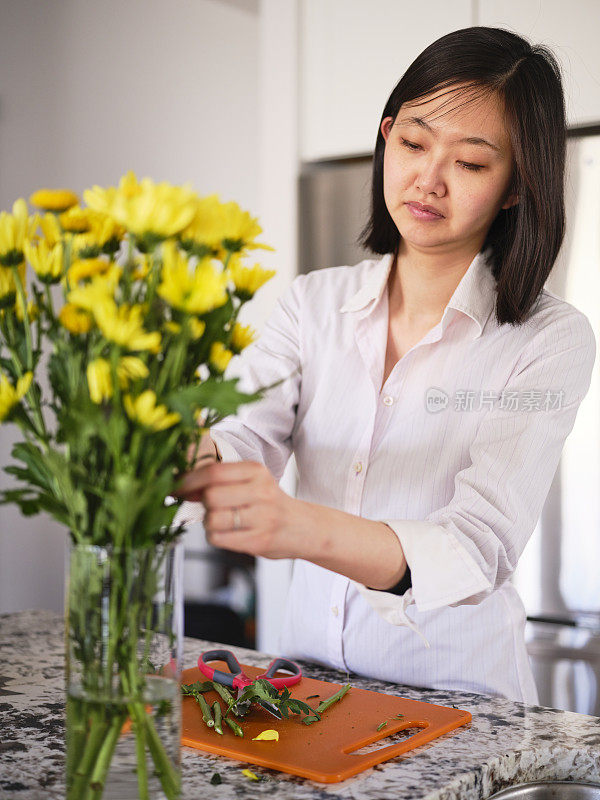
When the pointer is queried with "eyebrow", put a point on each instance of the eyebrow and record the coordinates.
(476, 140)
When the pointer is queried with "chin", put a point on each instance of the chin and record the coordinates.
(423, 238)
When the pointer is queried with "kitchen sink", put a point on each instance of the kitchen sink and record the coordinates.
(550, 790)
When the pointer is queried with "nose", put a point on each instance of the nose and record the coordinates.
(430, 177)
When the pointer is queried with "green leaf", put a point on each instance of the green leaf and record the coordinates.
(37, 470)
(299, 707)
(27, 502)
(192, 689)
(220, 395)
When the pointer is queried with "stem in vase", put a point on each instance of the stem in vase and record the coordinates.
(105, 755)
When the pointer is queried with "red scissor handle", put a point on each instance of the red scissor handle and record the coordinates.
(235, 678)
(285, 664)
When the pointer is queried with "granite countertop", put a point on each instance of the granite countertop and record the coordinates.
(506, 743)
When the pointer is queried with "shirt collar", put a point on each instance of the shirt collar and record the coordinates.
(475, 295)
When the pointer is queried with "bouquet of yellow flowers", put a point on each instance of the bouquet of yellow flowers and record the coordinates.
(136, 296)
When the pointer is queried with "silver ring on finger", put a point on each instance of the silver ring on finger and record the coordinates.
(237, 522)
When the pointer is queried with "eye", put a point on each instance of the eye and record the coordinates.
(471, 167)
(410, 145)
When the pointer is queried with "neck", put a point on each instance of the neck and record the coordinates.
(420, 285)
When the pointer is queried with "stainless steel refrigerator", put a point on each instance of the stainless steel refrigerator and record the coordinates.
(558, 576)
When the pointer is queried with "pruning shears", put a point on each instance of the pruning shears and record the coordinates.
(237, 679)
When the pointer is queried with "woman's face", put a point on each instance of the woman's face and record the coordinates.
(459, 164)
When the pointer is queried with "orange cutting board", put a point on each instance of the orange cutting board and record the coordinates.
(323, 751)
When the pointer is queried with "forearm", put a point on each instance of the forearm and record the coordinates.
(364, 550)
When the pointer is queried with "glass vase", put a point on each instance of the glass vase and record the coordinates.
(124, 625)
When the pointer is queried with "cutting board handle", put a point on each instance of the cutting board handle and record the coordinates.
(383, 753)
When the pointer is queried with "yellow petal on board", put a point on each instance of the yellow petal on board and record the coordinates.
(247, 773)
(267, 736)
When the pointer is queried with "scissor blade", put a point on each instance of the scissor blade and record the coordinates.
(272, 709)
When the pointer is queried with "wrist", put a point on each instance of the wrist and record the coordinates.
(308, 530)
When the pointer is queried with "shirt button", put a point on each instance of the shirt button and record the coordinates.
(335, 611)
(388, 400)
(358, 467)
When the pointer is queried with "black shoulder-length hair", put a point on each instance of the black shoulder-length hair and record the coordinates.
(524, 239)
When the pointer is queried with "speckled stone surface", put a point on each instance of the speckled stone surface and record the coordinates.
(505, 744)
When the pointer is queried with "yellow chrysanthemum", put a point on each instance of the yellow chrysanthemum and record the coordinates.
(173, 327)
(51, 229)
(241, 229)
(194, 292)
(54, 199)
(46, 260)
(145, 208)
(75, 220)
(105, 228)
(15, 229)
(99, 380)
(8, 286)
(219, 356)
(103, 235)
(131, 368)
(33, 310)
(141, 269)
(248, 280)
(208, 226)
(100, 288)
(87, 268)
(10, 395)
(74, 319)
(218, 228)
(197, 327)
(123, 325)
(143, 409)
(242, 336)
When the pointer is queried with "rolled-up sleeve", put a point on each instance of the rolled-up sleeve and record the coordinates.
(462, 552)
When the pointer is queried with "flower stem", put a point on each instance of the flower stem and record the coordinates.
(106, 751)
(142, 769)
(26, 324)
(90, 754)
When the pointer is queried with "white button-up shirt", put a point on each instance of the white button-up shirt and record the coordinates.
(456, 453)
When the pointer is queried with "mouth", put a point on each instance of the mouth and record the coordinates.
(421, 211)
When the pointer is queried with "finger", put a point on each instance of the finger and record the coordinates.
(222, 520)
(233, 495)
(237, 541)
(216, 472)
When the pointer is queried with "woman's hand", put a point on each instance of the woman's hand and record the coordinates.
(270, 521)
(275, 525)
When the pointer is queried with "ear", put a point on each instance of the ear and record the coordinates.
(510, 201)
(386, 126)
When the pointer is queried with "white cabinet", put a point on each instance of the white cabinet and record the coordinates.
(352, 54)
(571, 30)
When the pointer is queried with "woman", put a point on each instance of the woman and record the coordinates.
(429, 390)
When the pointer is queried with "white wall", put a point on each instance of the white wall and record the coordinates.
(89, 90)
(571, 32)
